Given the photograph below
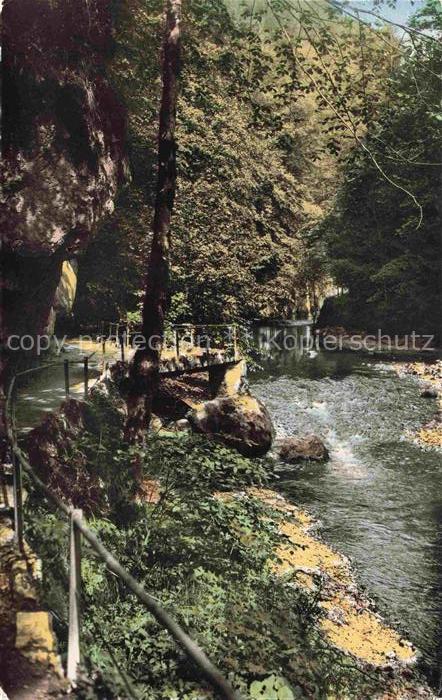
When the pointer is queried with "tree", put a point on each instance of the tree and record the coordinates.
(257, 166)
(382, 248)
(144, 370)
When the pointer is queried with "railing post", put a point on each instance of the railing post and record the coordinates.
(121, 339)
(74, 598)
(86, 376)
(177, 342)
(103, 345)
(235, 344)
(66, 377)
(18, 502)
(207, 348)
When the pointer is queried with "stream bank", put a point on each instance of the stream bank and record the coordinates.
(110, 481)
(378, 497)
(350, 621)
(429, 376)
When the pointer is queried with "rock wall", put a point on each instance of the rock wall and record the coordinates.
(64, 130)
(65, 293)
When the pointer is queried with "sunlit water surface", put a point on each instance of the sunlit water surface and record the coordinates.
(379, 497)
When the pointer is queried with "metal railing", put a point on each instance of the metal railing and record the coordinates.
(78, 531)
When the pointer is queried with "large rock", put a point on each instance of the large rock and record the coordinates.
(67, 287)
(429, 392)
(36, 640)
(294, 450)
(53, 447)
(241, 422)
(63, 153)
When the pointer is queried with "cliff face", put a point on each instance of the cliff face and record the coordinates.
(63, 147)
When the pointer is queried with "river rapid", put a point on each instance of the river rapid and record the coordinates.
(379, 497)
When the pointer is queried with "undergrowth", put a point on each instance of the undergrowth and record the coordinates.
(206, 558)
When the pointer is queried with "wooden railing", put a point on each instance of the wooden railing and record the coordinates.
(178, 337)
(78, 531)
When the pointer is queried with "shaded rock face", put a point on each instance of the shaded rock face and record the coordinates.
(63, 141)
(240, 421)
(65, 293)
(294, 450)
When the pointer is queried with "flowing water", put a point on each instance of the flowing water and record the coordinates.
(379, 497)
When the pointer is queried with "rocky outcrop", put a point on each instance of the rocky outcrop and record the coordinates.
(430, 374)
(63, 124)
(63, 149)
(240, 421)
(66, 290)
(294, 450)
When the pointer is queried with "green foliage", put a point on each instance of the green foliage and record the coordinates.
(202, 463)
(381, 252)
(205, 557)
(253, 174)
(271, 688)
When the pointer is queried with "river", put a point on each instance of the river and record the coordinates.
(378, 498)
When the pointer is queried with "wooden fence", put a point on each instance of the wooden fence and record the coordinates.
(79, 531)
(126, 335)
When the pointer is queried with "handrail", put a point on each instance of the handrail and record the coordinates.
(203, 325)
(192, 649)
(54, 364)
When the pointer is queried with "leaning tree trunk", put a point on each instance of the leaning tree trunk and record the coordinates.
(144, 371)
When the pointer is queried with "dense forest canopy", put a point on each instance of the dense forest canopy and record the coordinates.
(384, 247)
(280, 103)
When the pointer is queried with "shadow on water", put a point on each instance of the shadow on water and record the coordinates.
(379, 496)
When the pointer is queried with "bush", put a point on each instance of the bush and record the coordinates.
(204, 554)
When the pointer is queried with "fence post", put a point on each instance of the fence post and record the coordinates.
(66, 377)
(18, 502)
(103, 345)
(74, 598)
(207, 348)
(121, 339)
(86, 376)
(177, 342)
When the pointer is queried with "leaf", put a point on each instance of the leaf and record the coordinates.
(271, 688)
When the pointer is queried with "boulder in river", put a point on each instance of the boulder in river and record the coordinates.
(240, 421)
(429, 392)
(294, 450)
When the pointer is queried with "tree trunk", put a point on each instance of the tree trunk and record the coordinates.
(144, 371)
